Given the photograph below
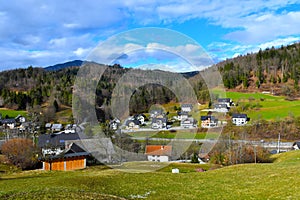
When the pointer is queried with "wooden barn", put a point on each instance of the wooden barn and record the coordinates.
(72, 158)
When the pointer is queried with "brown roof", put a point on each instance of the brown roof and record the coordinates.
(159, 150)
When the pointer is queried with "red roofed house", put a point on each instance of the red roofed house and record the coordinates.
(159, 153)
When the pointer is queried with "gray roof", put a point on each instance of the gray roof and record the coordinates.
(8, 121)
(101, 148)
(182, 113)
(212, 118)
(237, 115)
(187, 105)
(45, 140)
(224, 100)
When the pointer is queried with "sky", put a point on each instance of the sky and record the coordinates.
(43, 33)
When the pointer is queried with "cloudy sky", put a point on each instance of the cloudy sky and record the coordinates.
(43, 33)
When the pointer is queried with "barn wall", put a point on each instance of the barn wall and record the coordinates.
(65, 164)
(75, 163)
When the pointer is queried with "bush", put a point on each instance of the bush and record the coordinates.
(20, 152)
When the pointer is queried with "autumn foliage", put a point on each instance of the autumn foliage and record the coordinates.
(20, 152)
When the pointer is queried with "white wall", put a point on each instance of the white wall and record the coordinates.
(158, 158)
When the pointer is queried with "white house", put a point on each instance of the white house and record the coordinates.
(140, 117)
(158, 153)
(9, 123)
(70, 128)
(226, 101)
(239, 119)
(188, 123)
(296, 146)
(159, 123)
(20, 119)
(56, 127)
(114, 124)
(132, 124)
(182, 115)
(220, 107)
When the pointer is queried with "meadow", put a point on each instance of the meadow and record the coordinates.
(270, 107)
(177, 134)
(12, 113)
(278, 180)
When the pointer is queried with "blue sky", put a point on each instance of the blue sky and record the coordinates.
(43, 33)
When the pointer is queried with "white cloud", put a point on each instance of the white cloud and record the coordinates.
(67, 29)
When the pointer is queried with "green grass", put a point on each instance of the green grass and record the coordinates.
(272, 107)
(178, 134)
(278, 180)
(12, 113)
(235, 96)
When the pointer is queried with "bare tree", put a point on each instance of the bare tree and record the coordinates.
(20, 152)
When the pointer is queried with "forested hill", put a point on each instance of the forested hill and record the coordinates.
(276, 69)
(51, 90)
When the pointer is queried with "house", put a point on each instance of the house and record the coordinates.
(209, 121)
(182, 115)
(48, 126)
(54, 144)
(8, 123)
(132, 124)
(20, 119)
(114, 124)
(141, 118)
(72, 158)
(56, 127)
(220, 107)
(226, 101)
(186, 107)
(159, 123)
(296, 145)
(70, 128)
(159, 153)
(239, 119)
(188, 123)
(156, 113)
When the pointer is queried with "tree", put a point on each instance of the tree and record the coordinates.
(195, 158)
(56, 106)
(20, 152)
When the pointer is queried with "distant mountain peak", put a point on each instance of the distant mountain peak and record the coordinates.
(74, 63)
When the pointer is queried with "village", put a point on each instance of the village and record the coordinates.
(67, 147)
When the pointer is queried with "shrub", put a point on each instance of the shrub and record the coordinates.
(20, 152)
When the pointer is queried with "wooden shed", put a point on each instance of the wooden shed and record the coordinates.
(71, 159)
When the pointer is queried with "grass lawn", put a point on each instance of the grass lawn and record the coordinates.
(178, 134)
(277, 180)
(272, 107)
(12, 113)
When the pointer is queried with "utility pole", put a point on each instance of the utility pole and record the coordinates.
(254, 154)
(278, 145)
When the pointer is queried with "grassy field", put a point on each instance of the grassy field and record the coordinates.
(278, 180)
(271, 107)
(178, 134)
(12, 113)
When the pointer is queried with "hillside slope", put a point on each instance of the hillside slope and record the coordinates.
(250, 181)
